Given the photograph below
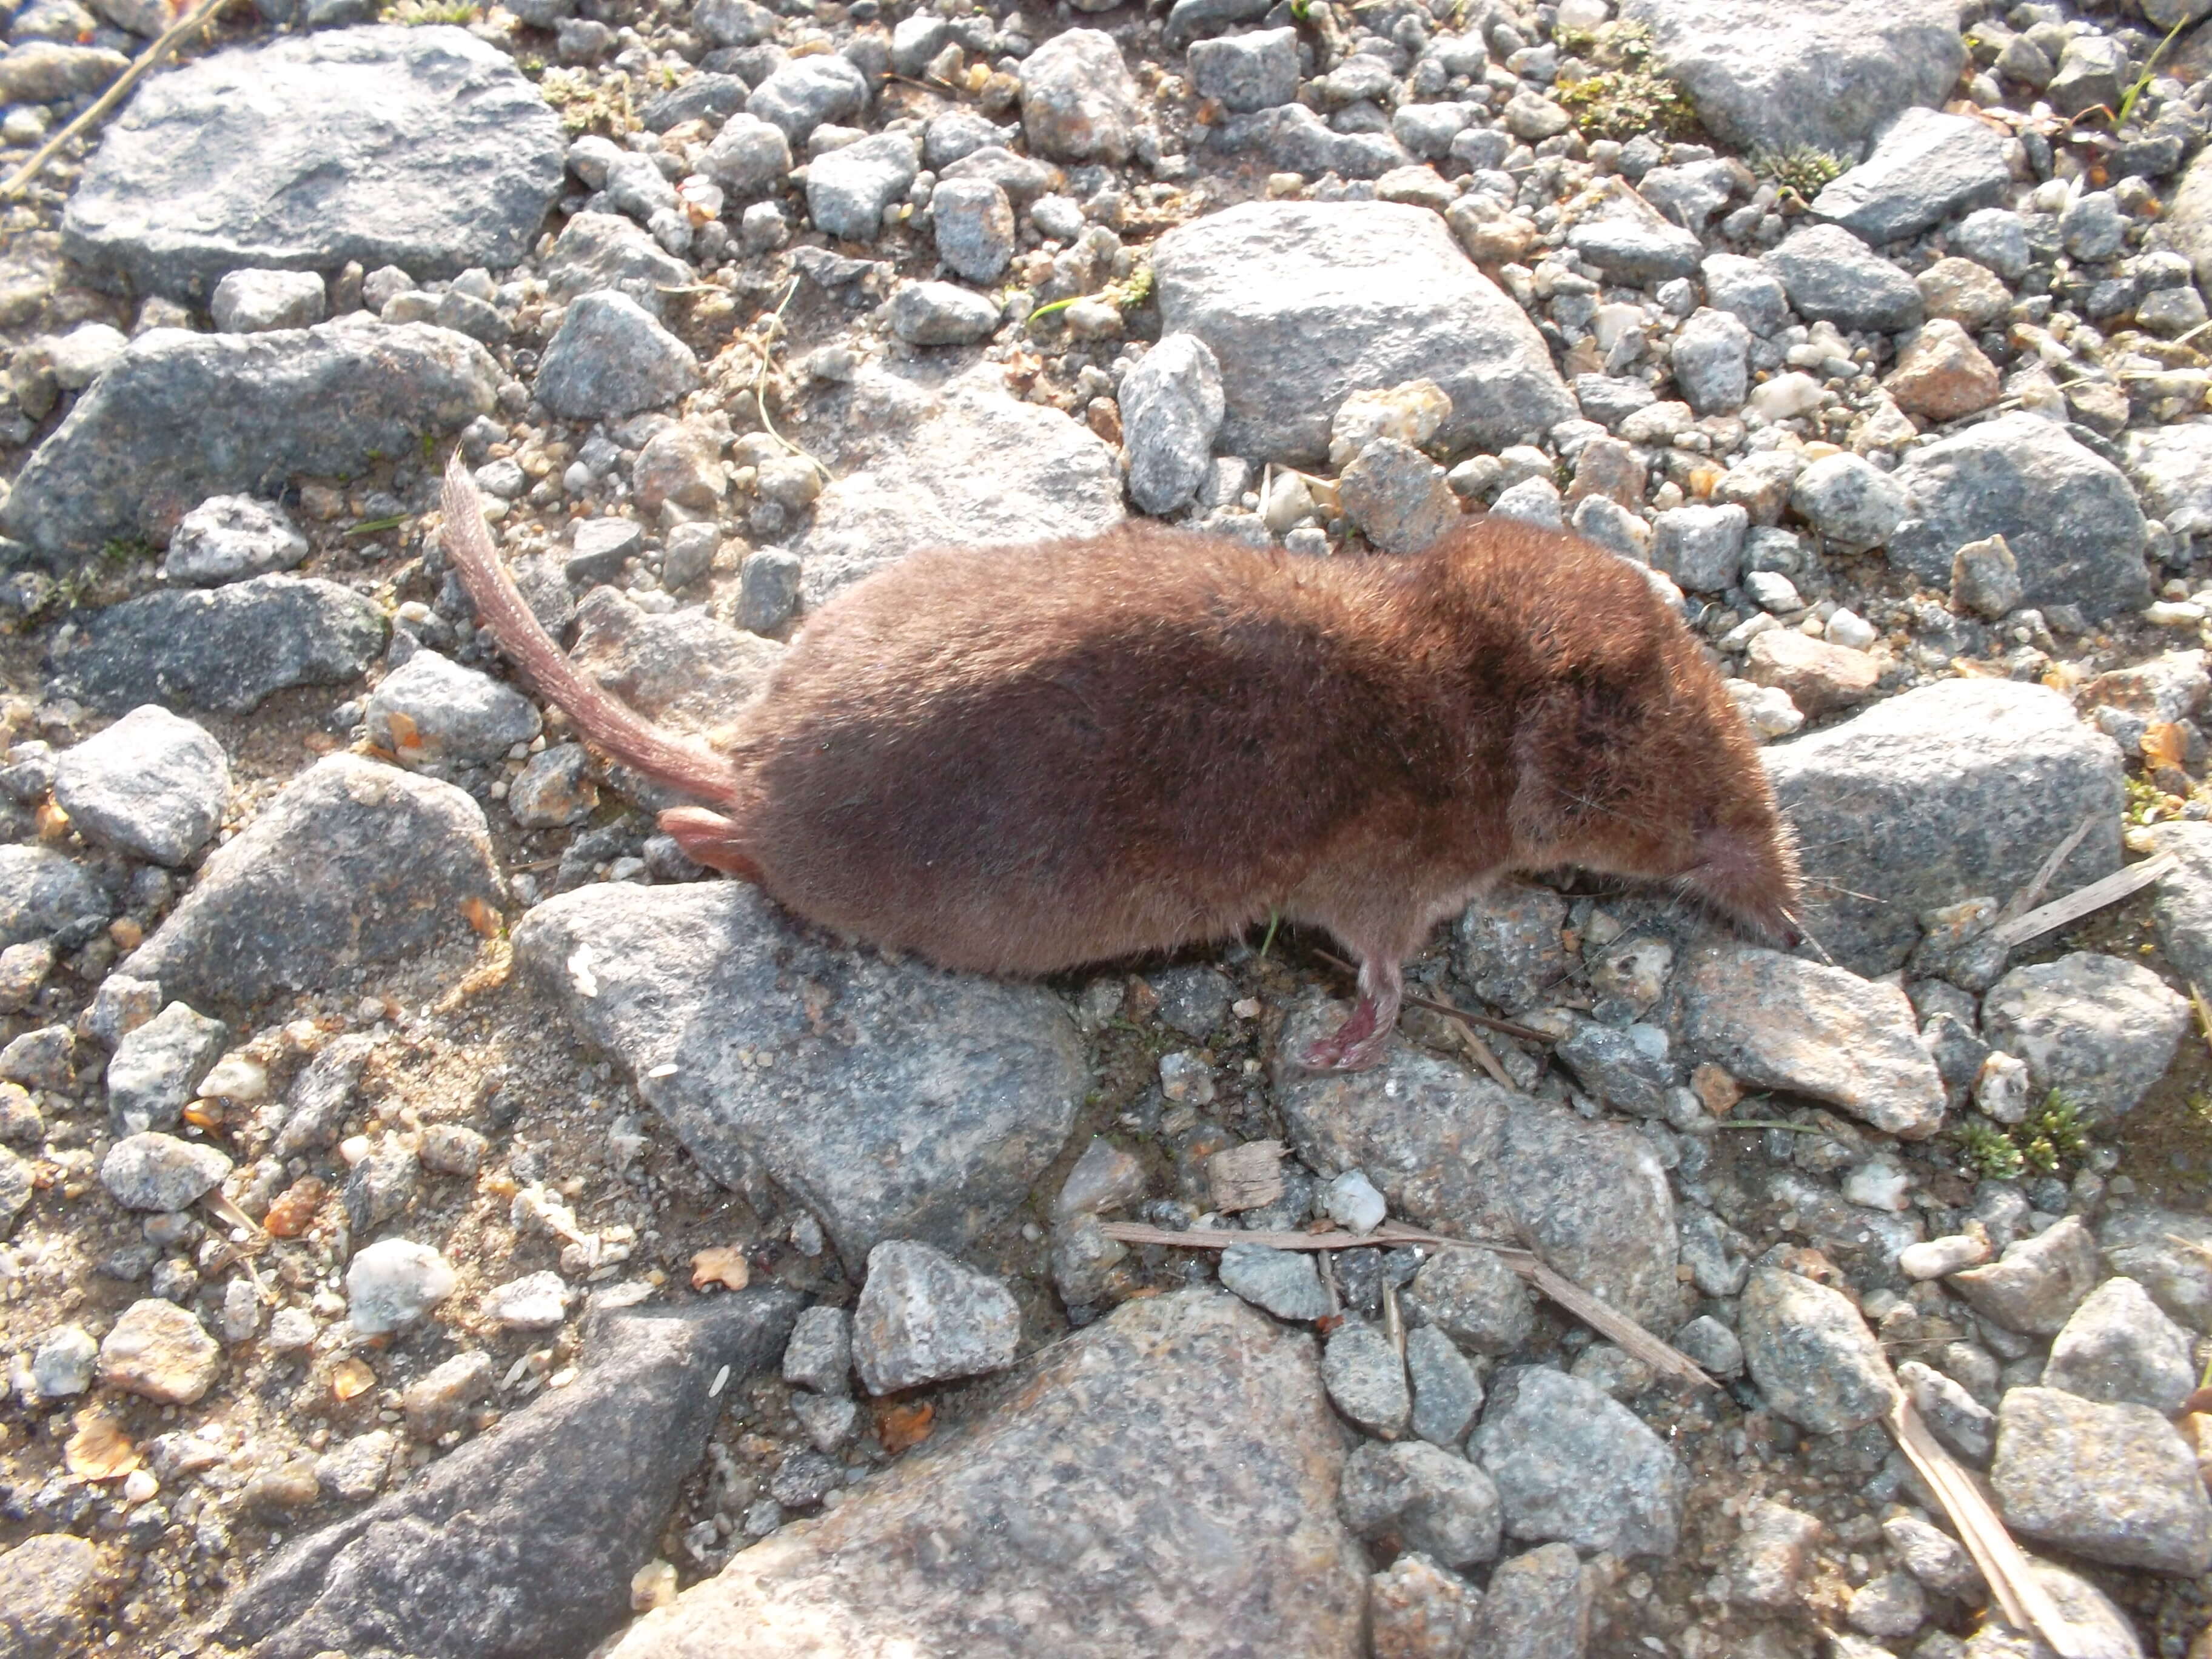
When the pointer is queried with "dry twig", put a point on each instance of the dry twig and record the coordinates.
(172, 37)
(2084, 901)
(2020, 902)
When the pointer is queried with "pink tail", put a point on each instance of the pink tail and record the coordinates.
(620, 731)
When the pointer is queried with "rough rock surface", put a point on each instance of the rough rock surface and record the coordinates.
(353, 864)
(1897, 809)
(181, 417)
(420, 148)
(1302, 303)
(524, 1541)
(951, 1091)
(1242, 1474)
(150, 784)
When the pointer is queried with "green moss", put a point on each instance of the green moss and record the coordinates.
(1626, 94)
(2053, 1136)
(1988, 1152)
(413, 14)
(1801, 168)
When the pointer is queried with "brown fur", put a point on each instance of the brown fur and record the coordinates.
(1016, 760)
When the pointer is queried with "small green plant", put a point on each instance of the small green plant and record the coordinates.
(2052, 1135)
(1627, 95)
(585, 103)
(1801, 168)
(2150, 65)
(413, 14)
(2146, 801)
(1988, 1152)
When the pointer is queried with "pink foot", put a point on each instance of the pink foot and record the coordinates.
(1359, 1041)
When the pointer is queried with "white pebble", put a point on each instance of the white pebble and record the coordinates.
(1937, 1256)
(1851, 631)
(394, 1282)
(1353, 1204)
(1879, 1184)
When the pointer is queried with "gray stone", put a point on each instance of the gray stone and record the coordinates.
(42, 891)
(749, 158)
(848, 189)
(820, 1355)
(1951, 1412)
(2100, 1029)
(1303, 302)
(1460, 1154)
(941, 313)
(955, 1092)
(1850, 502)
(1935, 1558)
(609, 358)
(1788, 75)
(431, 711)
(1284, 1282)
(228, 538)
(2114, 1483)
(685, 669)
(2187, 229)
(1925, 166)
(2068, 515)
(553, 788)
(1366, 1380)
(420, 147)
(1079, 101)
(604, 251)
(1771, 1554)
(1831, 276)
(151, 785)
(1398, 497)
(1692, 193)
(734, 22)
(1572, 1465)
(2171, 467)
(255, 301)
(352, 865)
(1538, 1607)
(1891, 1604)
(1985, 579)
(1712, 1345)
(2094, 227)
(1507, 944)
(969, 464)
(806, 91)
(535, 1302)
(1626, 1066)
(524, 1541)
(768, 589)
(974, 228)
(2119, 1348)
(1294, 139)
(156, 1066)
(1747, 288)
(1632, 243)
(1172, 407)
(1995, 237)
(181, 417)
(1240, 1471)
(924, 1317)
(1432, 1501)
(1700, 547)
(48, 1583)
(1712, 361)
(2092, 69)
(1812, 1357)
(2037, 1283)
(1247, 72)
(1533, 500)
(227, 647)
(1780, 1022)
(61, 1366)
(1952, 791)
(2163, 1252)
(160, 1172)
(36, 71)
(1447, 1390)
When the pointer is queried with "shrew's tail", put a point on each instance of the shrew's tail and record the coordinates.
(609, 724)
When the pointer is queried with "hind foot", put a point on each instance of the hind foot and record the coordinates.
(1359, 1041)
(710, 839)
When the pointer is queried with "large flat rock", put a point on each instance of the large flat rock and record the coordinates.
(1784, 75)
(420, 148)
(521, 1544)
(1959, 790)
(353, 865)
(2069, 516)
(968, 463)
(895, 1100)
(1304, 303)
(179, 417)
(1162, 1484)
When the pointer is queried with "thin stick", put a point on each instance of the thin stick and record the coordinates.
(2027, 1606)
(2084, 901)
(1607, 1321)
(2020, 902)
(1526, 1033)
(760, 382)
(115, 94)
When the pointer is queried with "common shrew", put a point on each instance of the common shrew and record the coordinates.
(1018, 759)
